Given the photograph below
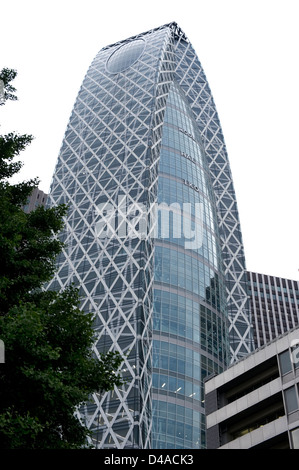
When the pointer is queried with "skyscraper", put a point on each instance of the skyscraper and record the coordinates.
(152, 237)
(37, 198)
(274, 306)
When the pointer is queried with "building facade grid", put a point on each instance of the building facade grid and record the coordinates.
(274, 306)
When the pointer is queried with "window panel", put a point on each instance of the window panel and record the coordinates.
(291, 399)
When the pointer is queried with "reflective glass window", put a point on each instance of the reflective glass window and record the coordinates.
(295, 438)
(285, 362)
(290, 396)
(125, 56)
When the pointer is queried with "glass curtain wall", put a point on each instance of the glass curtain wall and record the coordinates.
(189, 319)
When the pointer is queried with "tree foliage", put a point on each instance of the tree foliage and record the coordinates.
(6, 77)
(49, 367)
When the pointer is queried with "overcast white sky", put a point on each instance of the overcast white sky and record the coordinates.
(249, 51)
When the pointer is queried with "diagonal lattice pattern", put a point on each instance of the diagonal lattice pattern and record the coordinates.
(110, 150)
(193, 81)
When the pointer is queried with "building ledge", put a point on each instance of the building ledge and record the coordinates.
(245, 402)
(262, 434)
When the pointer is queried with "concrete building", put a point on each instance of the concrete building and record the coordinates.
(37, 198)
(254, 403)
(274, 306)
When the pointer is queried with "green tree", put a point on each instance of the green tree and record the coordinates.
(6, 77)
(49, 367)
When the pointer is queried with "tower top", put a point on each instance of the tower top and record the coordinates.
(173, 26)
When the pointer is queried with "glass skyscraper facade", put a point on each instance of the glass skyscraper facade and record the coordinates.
(189, 317)
(152, 238)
